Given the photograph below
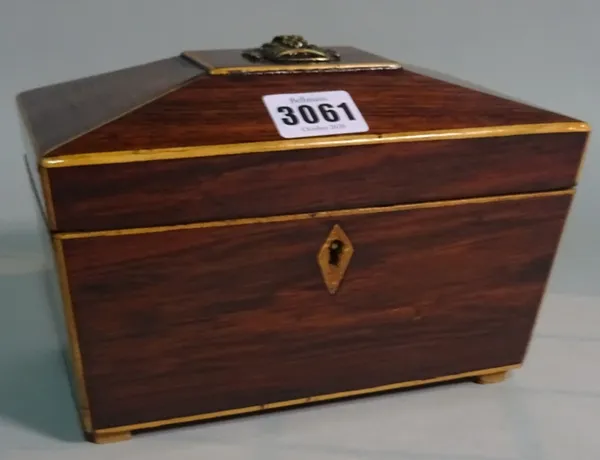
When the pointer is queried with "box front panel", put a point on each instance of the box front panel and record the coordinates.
(198, 320)
(170, 192)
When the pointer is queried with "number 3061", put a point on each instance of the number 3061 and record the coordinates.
(313, 115)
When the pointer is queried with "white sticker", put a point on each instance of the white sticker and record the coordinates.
(324, 113)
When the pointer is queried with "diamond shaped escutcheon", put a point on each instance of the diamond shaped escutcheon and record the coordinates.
(334, 258)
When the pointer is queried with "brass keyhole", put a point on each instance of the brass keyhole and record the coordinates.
(336, 248)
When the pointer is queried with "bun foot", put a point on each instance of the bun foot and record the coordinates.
(107, 438)
(496, 377)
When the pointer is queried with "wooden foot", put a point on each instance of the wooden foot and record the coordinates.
(106, 438)
(496, 377)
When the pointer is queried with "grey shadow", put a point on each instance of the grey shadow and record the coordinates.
(34, 387)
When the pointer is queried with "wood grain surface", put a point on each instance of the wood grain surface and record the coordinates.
(185, 322)
(58, 113)
(171, 192)
(215, 110)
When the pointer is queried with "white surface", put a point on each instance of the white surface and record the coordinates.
(288, 112)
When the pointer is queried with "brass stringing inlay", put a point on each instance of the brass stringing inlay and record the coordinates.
(334, 258)
(127, 156)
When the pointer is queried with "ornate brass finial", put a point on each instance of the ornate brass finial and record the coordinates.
(291, 49)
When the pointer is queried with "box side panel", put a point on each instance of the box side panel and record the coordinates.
(58, 299)
(191, 321)
(63, 312)
(38, 178)
(144, 194)
(51, 277)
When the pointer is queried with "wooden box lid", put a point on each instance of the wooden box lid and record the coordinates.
(128, 131)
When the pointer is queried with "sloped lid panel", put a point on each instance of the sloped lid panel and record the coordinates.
(58, 113)
(216, 110)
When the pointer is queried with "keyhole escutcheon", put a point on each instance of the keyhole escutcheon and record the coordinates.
(334, 257)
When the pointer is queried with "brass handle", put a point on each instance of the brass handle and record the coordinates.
(292, 49)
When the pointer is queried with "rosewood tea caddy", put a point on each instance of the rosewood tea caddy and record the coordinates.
(234, 231)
